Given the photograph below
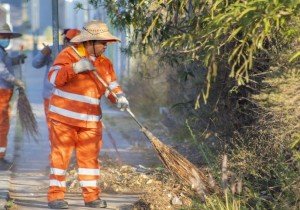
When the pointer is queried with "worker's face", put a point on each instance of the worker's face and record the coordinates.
(96, 48)
(66, 42)
(4, 42)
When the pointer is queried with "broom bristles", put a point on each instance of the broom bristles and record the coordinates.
(27, 119)
(181, 167)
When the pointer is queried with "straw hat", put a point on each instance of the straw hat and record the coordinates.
(95, 30)
(7, 33)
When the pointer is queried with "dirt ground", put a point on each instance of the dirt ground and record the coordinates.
(157, 188)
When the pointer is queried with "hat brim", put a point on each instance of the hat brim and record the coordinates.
(82, 37)
(10, 35)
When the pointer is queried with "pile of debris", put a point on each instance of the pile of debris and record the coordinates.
(157, 188)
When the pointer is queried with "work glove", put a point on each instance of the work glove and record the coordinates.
(122, 102)
(83, 65)
(22, 58)
(19, 59)
(46, 50)
(19, 83)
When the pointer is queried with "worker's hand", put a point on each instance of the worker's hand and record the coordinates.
(46, 50)
(122, 102)
(19, 83)
(83, 65)
(21, 58)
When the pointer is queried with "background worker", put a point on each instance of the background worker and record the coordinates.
(44, 58)
(7, 83)
(75, 112)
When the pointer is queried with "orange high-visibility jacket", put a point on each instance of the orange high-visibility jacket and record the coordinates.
(76, 97)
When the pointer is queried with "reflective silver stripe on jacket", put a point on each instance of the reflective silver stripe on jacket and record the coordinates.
(113, 85)
(107, 92)
(2, 149)
(74, 115)
(54, 74)
(76, 97)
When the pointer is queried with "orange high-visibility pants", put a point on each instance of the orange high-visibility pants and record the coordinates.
(46, 110)
(87, 142)
(5, 96)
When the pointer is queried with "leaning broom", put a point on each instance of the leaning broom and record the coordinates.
(174, 162)
(27, 119)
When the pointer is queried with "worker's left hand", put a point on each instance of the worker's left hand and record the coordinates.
(122, 102)
(83, 65)
(46, 51)
(21, 58)
(19, 83)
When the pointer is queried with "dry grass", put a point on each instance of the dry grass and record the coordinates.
(266, 154)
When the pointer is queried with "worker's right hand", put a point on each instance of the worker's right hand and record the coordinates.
(46, 50)
(83, 65)
(122, 102)
(19, 83)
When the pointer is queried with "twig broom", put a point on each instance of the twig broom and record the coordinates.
(174, 162)
(27, 119)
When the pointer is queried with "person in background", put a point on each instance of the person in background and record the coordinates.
(44, 58)
(76, 114)
(7, 83)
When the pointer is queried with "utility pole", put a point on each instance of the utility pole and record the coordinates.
(55, 27)
(35, 23)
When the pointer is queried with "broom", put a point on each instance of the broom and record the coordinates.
(27, 119)
(113, 142)
(174, 162)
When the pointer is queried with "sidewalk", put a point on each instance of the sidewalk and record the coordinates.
(27, 182)
(5, 176)
(4, 183)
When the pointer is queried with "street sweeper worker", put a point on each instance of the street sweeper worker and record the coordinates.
(7, 83)
(44, 58)
(75, 112)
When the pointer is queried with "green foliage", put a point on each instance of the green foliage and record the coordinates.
(229, 202)
(222, 35)
(229, 38)
(10, 204)
(295, 56)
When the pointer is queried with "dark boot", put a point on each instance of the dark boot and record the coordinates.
(58, 204)
(5, 164)
(98, 203)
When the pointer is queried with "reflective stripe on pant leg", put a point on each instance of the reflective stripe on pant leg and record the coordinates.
(87, 152)
(62, 139)
(5, 96)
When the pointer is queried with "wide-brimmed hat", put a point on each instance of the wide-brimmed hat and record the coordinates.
(6, 32)
(95, 30)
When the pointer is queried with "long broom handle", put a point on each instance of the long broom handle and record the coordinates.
(110, 90)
